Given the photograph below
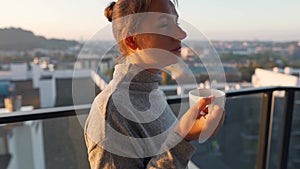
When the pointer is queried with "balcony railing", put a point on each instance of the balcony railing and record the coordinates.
(263, 138)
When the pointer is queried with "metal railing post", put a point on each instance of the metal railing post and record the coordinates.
(286, 129)
(265, 131)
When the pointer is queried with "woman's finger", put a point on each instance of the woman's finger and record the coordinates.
(203, 105)
(220, 124)
(212, 123)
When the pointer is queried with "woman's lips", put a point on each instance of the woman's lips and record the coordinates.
(176, 51)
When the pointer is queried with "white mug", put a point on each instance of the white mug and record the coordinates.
(196, 94)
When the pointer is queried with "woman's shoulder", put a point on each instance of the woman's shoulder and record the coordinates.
(104, 104)
(95, 123)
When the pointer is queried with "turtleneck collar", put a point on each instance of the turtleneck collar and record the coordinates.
(136, 77)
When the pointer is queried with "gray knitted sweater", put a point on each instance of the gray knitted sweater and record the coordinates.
(130, 125)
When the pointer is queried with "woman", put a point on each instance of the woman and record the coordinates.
(130, 124)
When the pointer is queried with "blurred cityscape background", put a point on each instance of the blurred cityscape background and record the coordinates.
(38, 72)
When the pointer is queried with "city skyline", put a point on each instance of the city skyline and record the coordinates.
(220, 20)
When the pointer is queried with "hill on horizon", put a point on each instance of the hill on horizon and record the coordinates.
(20, 39)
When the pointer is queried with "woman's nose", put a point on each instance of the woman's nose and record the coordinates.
(180, 33)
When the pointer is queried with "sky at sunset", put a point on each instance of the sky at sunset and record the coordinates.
(276, 20)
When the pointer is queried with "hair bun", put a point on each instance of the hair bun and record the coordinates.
(109, 11)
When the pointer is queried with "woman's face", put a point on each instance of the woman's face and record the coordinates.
(159, 40)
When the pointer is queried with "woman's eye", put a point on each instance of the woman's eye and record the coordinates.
(164, 25)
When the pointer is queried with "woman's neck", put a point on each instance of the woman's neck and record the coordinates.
(151, 70)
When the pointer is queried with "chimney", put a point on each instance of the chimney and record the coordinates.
(36, 73)
(47, 91)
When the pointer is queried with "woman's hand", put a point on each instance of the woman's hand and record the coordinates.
(197, 124)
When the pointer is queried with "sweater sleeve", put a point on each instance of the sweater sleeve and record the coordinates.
(175, 158)
(99, 158)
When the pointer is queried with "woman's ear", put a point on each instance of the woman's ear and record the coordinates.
(131, 43)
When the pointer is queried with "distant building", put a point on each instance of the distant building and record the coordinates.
(262, 78)
(201, 73)
(38, 85)
(27, 143)
(294, 50)
(243, 51)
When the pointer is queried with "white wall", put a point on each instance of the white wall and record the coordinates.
(47, 92)
(262, 78)
(26, 146)
(18, 71)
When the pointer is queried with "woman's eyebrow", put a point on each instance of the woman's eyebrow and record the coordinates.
(168, 17)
